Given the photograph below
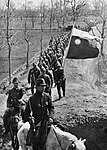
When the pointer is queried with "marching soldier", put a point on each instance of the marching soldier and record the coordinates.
(47, 80)
(33, 75)
(40, 104)
(14, 103)
(59, 79)
(49, 72)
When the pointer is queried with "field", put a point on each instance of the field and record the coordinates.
(18, 53)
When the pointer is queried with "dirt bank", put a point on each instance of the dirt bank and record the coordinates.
(82, 111)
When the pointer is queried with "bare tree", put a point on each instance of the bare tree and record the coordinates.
(50, 16)
(77, 8)
(26, 33)
(64, 13)
(2, 20)
(32, 13)
(101, 26)
(43, 15)
(8, 41)
(10, 34)
(57, 13)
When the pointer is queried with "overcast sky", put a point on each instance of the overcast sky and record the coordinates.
(20, 2)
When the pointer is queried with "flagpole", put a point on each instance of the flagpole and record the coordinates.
(67, 48)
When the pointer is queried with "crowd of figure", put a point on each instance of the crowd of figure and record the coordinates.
(43, 76)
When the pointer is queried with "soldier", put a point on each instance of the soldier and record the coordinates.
(14, 103)
(53, 59)
(40, 104)
(49, 72)
(47, 80)
(33, 75)
(59, 79)
(50, 42)
(48, 57)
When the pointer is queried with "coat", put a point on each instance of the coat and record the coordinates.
(40, 104)
(15, 94)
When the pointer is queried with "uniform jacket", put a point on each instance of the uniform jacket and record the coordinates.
(15, 94)
(48, 72)
(59, 74)
(33, 75)
(40, 104)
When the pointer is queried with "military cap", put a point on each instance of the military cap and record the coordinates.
(41, 82)
(15, 80)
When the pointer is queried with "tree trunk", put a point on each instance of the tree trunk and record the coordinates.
(27, 62)
(102, 35)
(33, 22)
(41, 40)
(8, 42)
(50, 27)
(9, 60)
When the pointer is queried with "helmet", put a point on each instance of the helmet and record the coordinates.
(41, 82)
(15, 80)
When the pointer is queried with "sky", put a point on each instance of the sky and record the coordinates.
(18, 3)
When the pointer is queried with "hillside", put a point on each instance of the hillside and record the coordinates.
(83, 111)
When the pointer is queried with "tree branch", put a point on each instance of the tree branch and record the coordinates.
(98, 29)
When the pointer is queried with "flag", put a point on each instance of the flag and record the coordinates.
(81, 45)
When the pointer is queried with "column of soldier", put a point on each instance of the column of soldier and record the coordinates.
(50, 66)
(48, 73)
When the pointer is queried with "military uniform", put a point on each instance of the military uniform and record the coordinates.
(49, 73)
(15, 94)
(40, 104)
(47, 79)
(13, 105)
(32, 77)
(60, 80)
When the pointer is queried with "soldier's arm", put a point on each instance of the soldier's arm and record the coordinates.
(51, 77)
(49, 81)
(22, 92)
(27, 112)
(39, 72)
(55, 76)
(50, 107)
